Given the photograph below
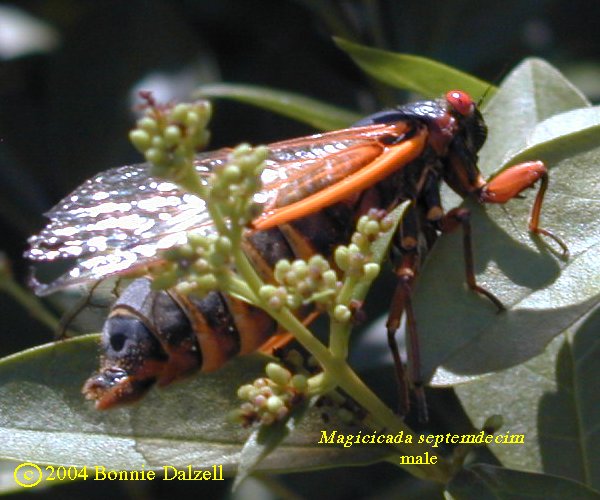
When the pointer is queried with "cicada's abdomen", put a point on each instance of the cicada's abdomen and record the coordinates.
(157, 337)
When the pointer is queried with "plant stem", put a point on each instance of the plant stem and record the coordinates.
(31, 303)
(339, 373)
(384, 418)
(338, 339)
(336, 372)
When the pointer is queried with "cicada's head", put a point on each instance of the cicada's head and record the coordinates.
(131, 361)
(462, 173)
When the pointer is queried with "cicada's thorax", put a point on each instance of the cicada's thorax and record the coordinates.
(158, 336)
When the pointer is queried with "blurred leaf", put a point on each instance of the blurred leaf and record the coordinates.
(7, 481)
(585, 74)
(557, 408)
(488, 482)
(461, 331)
(419, 74)
(45, 419)
(21, 34)
(318, 114)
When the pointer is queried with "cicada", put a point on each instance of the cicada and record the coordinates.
(314, 190)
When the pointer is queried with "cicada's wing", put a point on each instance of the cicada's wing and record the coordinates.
(115, 222)
(299, 168)
(120, 219)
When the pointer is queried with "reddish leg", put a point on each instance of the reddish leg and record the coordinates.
(449, 223)
(511, 182)
(402, 302)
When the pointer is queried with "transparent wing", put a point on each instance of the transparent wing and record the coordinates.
(115, 222)
(120, 219)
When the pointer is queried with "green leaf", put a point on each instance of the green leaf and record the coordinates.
(544, 294)
(495, 483)
(553, 401)
(318, 114)
(419, 74)
(7, 478)
(45, 419)
(562, 126)
(531, 93)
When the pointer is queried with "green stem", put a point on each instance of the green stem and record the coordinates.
(338, 339)
(238, 288)
(217, 218)
(384, 418)
(339, 371)
(30, 302)
(347, 291)
(293, 325)
(191, 181)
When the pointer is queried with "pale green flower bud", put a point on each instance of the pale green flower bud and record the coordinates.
(278, 374)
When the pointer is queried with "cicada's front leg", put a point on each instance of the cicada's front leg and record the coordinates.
(509, 183)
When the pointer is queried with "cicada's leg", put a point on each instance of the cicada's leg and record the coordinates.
(406, 269)
(402, 303)
(282, 339)
(462, 217)
(509, 183)
(85, 301)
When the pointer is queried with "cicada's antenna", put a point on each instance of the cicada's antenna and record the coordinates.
(484, 95)
(499, 76)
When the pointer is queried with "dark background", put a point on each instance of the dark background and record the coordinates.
(66, 105)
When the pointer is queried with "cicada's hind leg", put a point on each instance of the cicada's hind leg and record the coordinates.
(402, 303)
(406, 270)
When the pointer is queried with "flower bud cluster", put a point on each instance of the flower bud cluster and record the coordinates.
(354, 259)
(195, 268)
(170, 136)
(200, 265)
(234, 183)
(302, 282)
(270, 399)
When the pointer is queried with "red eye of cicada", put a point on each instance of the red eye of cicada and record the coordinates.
(460, 101)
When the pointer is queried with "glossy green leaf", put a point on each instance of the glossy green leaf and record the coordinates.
(45, 419)
(562, 125)
(418, 74)
(495, 483)
(318, 114)
(531, 93)
(553, 401)
(462, 332)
